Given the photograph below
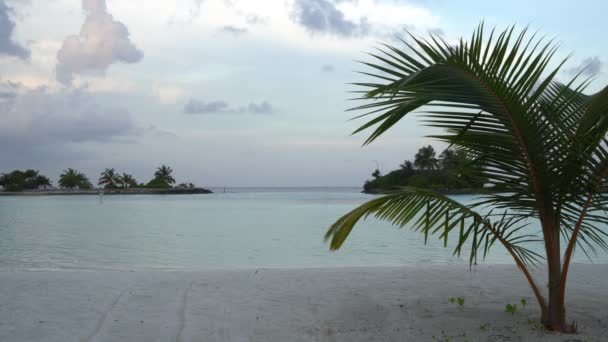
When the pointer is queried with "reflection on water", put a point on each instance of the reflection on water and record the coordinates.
(241, 228)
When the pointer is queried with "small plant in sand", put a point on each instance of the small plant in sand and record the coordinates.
(458, 300)
(511, 308)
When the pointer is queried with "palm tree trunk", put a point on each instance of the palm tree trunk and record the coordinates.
(555, 319)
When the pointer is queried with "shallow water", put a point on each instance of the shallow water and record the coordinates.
(243, 228)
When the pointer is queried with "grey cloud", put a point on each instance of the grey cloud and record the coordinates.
(233, 30)
(6, 95)
(62, 117)
(40, 126)
(102, 41)
(218, 107)
(589, 66)
(199, 107)
(7, 25)
(154, 131)
(94, 5)
(328, 68)
(322, 16)
(262, 108)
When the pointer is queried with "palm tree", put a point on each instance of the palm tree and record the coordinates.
(407, 168)
(72, 179)
(376, 174)
(425, 158)
(109, 179)
(42, 181)
(448, 159)
(127, 181)
(540, 142)
(164, 173)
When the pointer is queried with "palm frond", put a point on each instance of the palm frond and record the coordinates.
(434, 214)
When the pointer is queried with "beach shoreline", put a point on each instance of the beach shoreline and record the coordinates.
(410, 303)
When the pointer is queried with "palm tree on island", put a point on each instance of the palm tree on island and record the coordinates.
(42, 181)
(109, 179)
(127, 181)
(540, 143)
(72, 179)
(425, 158)
(163, 173)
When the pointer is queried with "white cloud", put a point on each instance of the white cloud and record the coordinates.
(102, 41)
(168, 94)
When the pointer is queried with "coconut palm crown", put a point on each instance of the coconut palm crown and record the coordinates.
(109, 179)
(72, 179)
(164, 173)
(425, 158)
(540, 143)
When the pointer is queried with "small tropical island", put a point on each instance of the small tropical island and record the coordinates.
(74, 182)
(453, 172)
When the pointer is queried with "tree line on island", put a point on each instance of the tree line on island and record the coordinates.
(72, 179)
(452, 171)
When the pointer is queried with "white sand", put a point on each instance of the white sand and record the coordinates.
(354, 304)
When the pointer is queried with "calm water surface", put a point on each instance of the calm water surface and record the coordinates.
(243, 228)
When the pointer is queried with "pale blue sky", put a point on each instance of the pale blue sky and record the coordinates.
(227, 92)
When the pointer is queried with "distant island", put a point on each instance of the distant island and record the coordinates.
(73, 182)
(454, 172)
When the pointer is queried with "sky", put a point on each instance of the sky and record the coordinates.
(231, 92)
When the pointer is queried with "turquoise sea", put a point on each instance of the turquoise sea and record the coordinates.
(242, 228)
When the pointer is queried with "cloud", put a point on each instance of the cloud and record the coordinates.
(7, 25)
(198, 107)
(168, 94)
(68, 116)
(262, 108)
(102, 41)
(254, 19)
(322, 16)
(328, 68)
(590, 66)
(154, 131)
(218, 107)
(185, 12)
(237, 31)
(44, 126)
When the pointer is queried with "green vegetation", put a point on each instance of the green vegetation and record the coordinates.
(511, 308)
(163, 179)
(23, 180)
(109, 179)
(459, 300)
(453, 171)
(72, 179)
(541, 144)
(163, 173)
(157, 183)
(127, 181)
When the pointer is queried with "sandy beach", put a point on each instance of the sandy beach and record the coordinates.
(346, 304)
